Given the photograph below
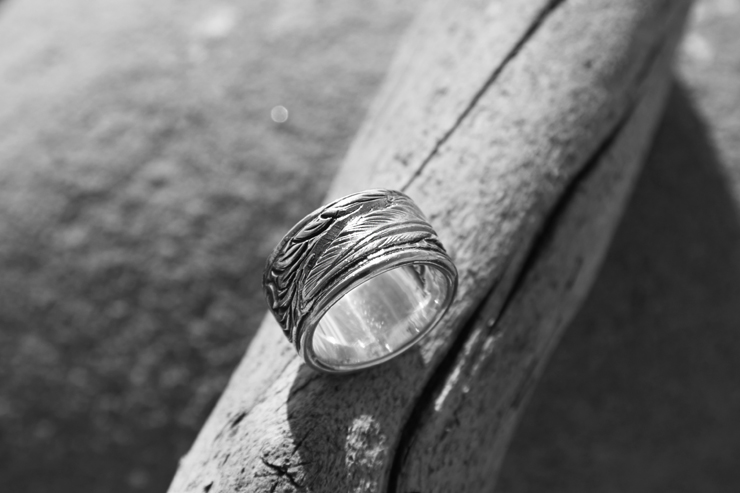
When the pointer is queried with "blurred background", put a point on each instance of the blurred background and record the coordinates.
(153, 153)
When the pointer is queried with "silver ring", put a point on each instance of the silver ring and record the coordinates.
(359, 281)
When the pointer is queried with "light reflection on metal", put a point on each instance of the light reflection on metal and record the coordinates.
(359, 281)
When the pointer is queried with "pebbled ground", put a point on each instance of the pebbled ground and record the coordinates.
(142, 184)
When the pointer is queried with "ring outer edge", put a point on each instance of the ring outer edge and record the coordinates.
(404, 255)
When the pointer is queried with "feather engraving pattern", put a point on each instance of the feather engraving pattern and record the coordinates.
(333, 242)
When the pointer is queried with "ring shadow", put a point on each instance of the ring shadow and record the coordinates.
(643, 392)
(352, 455)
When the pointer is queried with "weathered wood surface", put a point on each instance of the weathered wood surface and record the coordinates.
(470, 413)
(522, 166)
(643, 392)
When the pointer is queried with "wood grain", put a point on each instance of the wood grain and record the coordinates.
(518, 131)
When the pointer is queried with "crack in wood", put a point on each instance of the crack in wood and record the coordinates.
(282, 472)
(538, 21)
(533, 252)
(553, 218)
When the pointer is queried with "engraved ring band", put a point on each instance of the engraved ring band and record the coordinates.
(359, 281)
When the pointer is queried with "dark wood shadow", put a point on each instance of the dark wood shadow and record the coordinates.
(643, 393)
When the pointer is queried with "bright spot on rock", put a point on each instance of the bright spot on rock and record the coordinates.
(279, 114)
(217, 23)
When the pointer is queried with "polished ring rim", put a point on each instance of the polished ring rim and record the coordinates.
(292, 263)
(443, 265)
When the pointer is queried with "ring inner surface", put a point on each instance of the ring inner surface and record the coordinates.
(380, 316)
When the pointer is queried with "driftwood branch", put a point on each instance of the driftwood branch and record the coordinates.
(518, 128)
